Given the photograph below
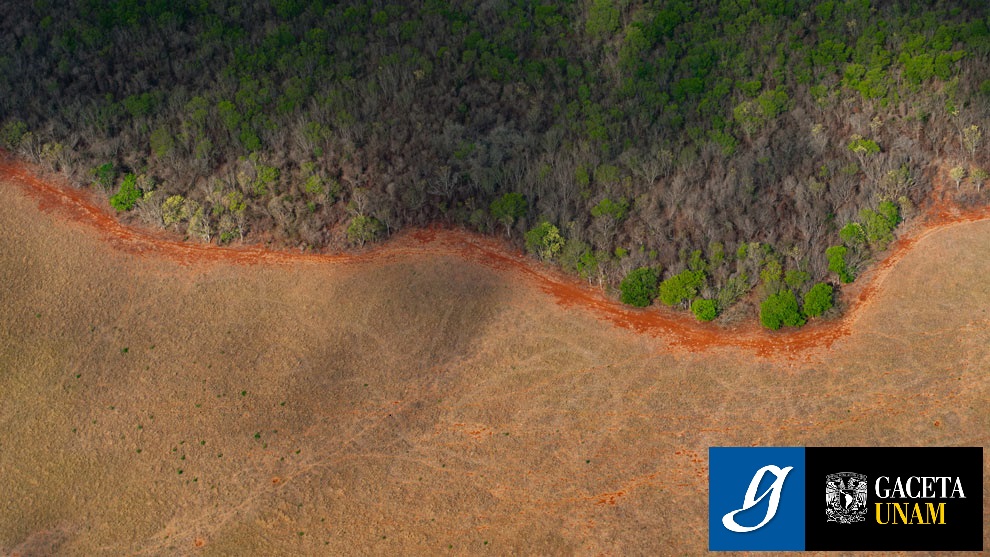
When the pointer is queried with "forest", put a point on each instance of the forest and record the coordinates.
(694, 154)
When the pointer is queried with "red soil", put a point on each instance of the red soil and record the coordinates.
(679, 329)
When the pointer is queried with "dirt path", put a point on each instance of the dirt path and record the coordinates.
(679, 329)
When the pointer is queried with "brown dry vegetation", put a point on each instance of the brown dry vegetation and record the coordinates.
(417, 402)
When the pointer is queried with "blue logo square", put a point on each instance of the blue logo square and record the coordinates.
(756, 498)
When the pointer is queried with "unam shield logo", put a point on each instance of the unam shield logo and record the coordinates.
(845, 497)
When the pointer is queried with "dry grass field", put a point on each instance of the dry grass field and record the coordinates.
(417, 402)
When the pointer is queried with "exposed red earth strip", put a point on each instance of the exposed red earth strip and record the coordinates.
(676, 328)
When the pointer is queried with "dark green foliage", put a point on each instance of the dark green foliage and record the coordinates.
(879, 225)
(818, 299)
(704, 310)
(681, 287)
(105, 175)
(508, 208)
(127, 195)
(639, 288)
(12, 133)
(891, 212)
(603, 18)
(780, 309)
(837, 263)
(608, 208)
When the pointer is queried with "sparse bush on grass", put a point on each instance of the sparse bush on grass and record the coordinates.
(780, 309)
(639, 288)
(818, 299)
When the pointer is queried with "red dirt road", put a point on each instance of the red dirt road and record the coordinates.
(677, 329)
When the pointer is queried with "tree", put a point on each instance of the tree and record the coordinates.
(199, 225)
(364, 229)
(162, 142)
(681, 287)
(780, 309)
(958, 174)
(980, 176)
(127, 195)
(173, 210)
(879, 225)
(852, 235)
(818, 299)
(837, 263)
(508, 208)
(639, 288)
(971, 139)
(603, 19)
(105, 175)
(704, 310)
(617, 210)
(544, 240)
(11, 134)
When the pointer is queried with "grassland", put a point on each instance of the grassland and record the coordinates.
(417, 402)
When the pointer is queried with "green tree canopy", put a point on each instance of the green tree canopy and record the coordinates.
(509, 208)
(818, 299)
(544, 240)
(704, 310)
(681, 287)
(780, 309)
(639, 288)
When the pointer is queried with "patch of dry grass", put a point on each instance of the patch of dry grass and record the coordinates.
(419, 405)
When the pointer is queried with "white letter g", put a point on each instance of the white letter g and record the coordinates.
(729, 522)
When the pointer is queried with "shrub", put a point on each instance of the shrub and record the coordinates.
(681, 287)
(818, 300)
(704, 310)
(780, 309)
(837, 263)
(544, 240)
(639, 288)
(127, 195)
